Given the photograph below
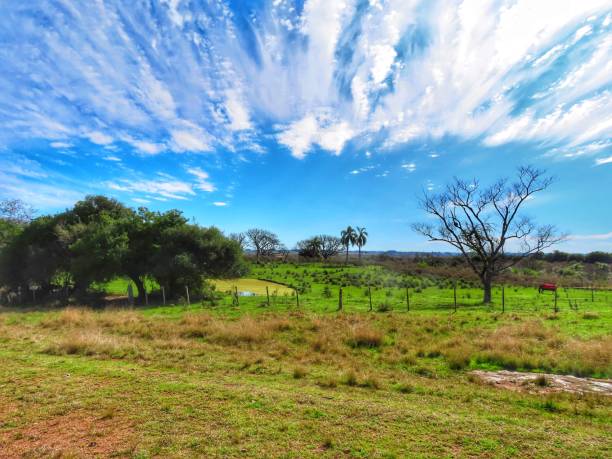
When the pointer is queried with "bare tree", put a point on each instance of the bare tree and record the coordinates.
(329, 246)
(479, 222)
(265, 243)
(15, 211)
(240, 238)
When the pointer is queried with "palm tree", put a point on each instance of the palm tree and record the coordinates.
(360, 239)
(348, 237)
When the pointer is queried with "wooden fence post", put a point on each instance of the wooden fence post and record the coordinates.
(268, 295)
(592, 295)
(503, 300)
(187, 292)
(297, 298)
(236, 296)
(556, 309)
(146, 296)
(455, 295)
(370, 295)
(407, 300)
(340, 299)
(163, 295)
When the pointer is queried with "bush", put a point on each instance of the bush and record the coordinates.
(364, 336)
(349, 378)
(299, 372)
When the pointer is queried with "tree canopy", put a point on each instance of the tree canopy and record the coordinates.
(100, 238)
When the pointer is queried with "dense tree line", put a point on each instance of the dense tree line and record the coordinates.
(100, 239)
(591, 257)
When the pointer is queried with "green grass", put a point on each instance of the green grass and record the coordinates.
(286, 381)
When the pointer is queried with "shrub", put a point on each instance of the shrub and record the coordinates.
(590, 315)
(458, 358)
(299, 372)
(365, 336)
(327, 382)
(349, 378)
(384, 307)
(404, 388)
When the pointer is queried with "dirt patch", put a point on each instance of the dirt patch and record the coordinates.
(545, 383)
(71, 435)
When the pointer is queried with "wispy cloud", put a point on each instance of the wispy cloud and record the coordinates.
(169, 189)
(591, 237)
(182, 76)
(601, 161)
(202, 177)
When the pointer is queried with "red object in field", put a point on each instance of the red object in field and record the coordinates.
(551, 287)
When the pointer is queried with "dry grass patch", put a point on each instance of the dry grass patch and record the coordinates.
(93, 343)
(365, 336)
(71, 435)
(244, 330)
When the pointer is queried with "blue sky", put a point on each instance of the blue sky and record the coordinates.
(305, 116)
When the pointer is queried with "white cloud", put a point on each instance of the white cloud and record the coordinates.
(169, 189)
(321, 130)
(112, 158)
(237, 112)
(220, 203)
(189, 141)
(146, 147)
(202, 177)
(601, 161)
(410, 167)
(60, 145)
(299, 136)
(591, 237)
(99, 138)
(338, 69)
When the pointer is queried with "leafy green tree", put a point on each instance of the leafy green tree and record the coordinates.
(100, 239)
(188, 254)
(34, 256)
(348, 238)
(14, 215)
(309, 248)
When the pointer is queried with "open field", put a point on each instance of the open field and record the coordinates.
(255, 286)
(282, 381)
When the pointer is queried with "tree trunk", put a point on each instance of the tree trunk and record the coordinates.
(346, 259)
(359, 247)
(140, 287)
(487, 280)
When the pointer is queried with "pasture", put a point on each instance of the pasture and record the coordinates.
(218, 378)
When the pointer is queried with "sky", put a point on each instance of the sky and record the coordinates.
(303, 117)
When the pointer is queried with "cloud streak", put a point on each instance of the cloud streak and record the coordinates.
(179, 76)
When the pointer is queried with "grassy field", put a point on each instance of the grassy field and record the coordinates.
(255, 286)
(252, 380)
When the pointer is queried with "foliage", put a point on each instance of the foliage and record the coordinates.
(100, 239)
(348, 237)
